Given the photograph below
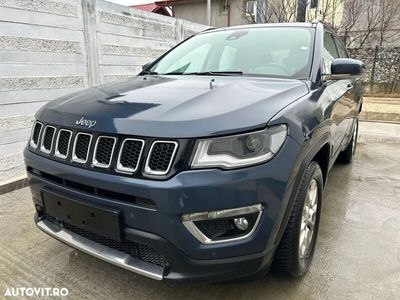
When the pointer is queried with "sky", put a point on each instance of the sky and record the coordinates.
(131, 2)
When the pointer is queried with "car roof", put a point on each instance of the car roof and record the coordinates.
(264, 25)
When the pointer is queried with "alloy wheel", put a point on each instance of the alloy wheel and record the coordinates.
(308, 219)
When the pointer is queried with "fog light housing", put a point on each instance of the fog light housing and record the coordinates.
(223, 225)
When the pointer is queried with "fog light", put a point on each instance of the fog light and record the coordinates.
(241, 223)
(223, 225)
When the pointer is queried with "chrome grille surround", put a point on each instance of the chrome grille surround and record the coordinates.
(95, 162)
(56, 151)
(44, 136)
(124, 169)
(131, 155)
(148, 170)
(74, 157)
(33, 133)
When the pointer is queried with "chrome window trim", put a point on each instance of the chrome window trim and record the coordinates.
(95, 163)
(56, 152)
(202, 238)
(76, 159)
(33, 145)
(44, 150)
(147, 168)
(120, 168)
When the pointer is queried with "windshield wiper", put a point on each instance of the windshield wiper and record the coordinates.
(208, 73)
(148, 72)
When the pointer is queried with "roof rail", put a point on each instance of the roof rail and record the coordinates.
(211, 28)
(326, 25)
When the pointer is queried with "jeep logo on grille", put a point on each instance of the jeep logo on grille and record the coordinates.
(86, 123)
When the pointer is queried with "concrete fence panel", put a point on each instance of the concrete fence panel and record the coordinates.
(49, 48)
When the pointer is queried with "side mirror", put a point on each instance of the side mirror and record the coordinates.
(346, 68)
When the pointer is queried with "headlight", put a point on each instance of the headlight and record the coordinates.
(240, 150)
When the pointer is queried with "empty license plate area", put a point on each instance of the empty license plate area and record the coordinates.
(99, 220)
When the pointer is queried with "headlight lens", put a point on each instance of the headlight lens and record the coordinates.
(240, 150)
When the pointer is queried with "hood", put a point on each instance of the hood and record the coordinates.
(176, 106)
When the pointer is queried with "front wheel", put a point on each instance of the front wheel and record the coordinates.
(296, 249)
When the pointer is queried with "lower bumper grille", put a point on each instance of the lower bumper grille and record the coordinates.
(137, 250)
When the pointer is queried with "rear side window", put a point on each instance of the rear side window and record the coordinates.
(330, 52)
(341, 48)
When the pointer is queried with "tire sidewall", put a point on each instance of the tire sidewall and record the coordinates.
(314, 173)
(356, 124)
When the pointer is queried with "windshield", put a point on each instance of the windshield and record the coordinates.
(271, 52)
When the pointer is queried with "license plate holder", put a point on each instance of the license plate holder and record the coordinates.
(90, 217)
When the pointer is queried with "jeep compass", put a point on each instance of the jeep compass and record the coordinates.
(210, 164)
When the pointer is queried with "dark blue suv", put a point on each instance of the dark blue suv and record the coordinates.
(211, 163)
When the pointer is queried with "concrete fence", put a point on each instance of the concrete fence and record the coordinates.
(49, 48)
(382, 68)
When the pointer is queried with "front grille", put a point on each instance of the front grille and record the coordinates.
(47, 140)
(103, 151)
(120, 153)
(129, 156)
(37, 128)
(63, 141)
(137, 250)
(161, 155)
(81, 147)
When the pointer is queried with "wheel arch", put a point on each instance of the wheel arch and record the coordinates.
(319, 151)
(322, 158)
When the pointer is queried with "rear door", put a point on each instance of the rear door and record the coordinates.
(340, 94)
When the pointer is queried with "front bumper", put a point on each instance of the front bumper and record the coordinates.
(191, 191)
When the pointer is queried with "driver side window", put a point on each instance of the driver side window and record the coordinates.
(330, 52)
(341, 48)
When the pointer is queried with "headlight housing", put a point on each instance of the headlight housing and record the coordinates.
(240, 150)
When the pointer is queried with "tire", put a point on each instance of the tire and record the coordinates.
(346, 156)
(290, 258)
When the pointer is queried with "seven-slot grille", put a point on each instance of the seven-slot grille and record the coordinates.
(77, 147)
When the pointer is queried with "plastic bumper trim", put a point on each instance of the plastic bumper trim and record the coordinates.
(101, 252)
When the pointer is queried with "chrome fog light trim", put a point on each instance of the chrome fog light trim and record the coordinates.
(189, 219)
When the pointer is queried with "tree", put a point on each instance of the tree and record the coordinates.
(358, 22)
(389, 29)
(362, 22)
(273, 11)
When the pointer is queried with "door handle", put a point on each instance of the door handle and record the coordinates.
(349, 86)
